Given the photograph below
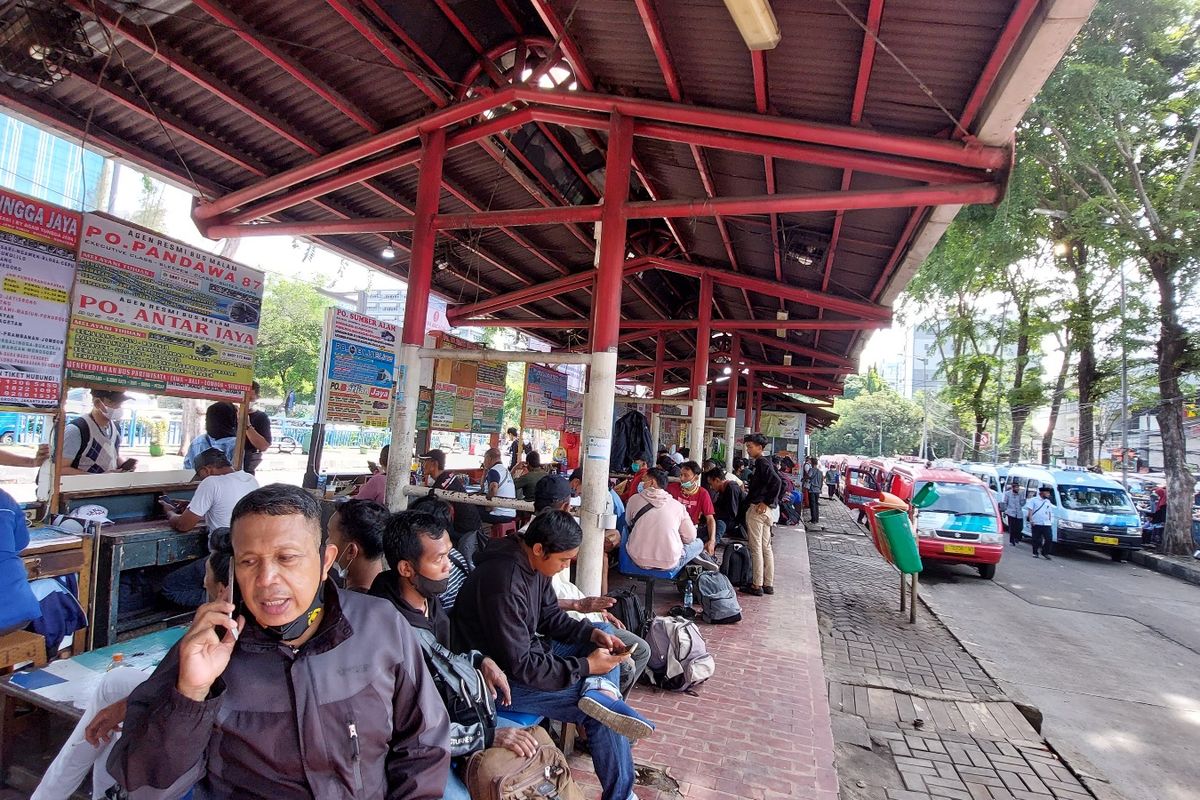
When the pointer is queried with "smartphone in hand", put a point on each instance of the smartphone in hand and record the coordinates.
(625, 651)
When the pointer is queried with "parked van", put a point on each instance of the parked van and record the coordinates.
(1090, 510)
(989, 475)
(861, 482)
(962, 526)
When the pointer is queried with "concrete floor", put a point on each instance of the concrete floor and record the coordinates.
(1110, 652)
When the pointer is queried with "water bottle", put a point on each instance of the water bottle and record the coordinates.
(118, 660)
(687, 594)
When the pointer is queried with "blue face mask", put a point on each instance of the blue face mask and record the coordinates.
(688, 484)
(635, 467)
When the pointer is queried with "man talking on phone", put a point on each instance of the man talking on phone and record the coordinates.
(294, 690)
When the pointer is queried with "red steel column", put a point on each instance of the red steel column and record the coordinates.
(416, 308)
(595, 508)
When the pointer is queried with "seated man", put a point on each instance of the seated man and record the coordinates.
(661, 534)
(219, 491)
(417, 547)
(465, 530)
(310, 692)
(497, 483)
(554, 494)
(375, 488)
(618, 505)
(729, 505)
(356, 530)
(698, 502)
(460, 568)
(507, 610)
(629, 487)
(88, 746)
(527, 479)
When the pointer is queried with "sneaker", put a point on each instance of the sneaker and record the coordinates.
(768, 590)
(615, 715)
(707, 562)
(1045, 556)
(752, 590)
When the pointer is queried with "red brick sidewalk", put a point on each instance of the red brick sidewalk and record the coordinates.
(759, 729)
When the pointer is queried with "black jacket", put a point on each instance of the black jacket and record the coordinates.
(631, 439)
(278, 723)
(730, 504)
(387, 586)
(503, 607)
(466, 516)
(765, 483)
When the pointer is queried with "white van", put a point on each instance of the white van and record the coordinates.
(1090, 510)
(989, 475)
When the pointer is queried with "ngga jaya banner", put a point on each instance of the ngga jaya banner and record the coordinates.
(158, 315)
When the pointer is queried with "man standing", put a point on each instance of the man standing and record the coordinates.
(832, 478)
(219, 491)
(812, 485)
(698, 503)
(508, 610)
(1040, 513)
(92, 443)
(1014, 506)
(311, 692)
(763, 499)
(497, 482)
(513, 448)
(258, 435)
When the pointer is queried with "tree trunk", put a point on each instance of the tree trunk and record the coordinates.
(1085, 333)
(1019, 410)
(1060, 385)
(193, 423)
(979, 412)
(1172, 353)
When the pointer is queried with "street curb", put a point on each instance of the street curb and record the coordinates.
(1159, 563)
(1072, 759)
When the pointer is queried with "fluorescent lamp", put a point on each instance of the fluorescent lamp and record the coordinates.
(388, 252)
(782, 317)
(755, 22)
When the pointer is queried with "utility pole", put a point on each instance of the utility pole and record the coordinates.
(999, 388)
(925, 416)
(881, 438)
(1124, 391)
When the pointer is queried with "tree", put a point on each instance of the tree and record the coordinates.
(289, 337)
(151, 211)
(871, 423)
(1120, 121)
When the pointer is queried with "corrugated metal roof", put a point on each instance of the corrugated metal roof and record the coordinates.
(811, 75)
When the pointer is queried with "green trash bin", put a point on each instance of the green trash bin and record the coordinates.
(306, 441)
(898, 532)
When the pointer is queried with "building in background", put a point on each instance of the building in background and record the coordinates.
(39, 164)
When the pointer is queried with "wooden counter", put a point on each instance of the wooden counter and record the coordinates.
(50, 554)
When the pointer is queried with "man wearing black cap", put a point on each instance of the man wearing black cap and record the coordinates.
(219, 491)
(466, 516)
(92, 442)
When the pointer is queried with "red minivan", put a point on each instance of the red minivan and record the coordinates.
(962, 526)
(859, 486)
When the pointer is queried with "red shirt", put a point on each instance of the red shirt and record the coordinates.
(696, 504)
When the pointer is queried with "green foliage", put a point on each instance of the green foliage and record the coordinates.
(514, 395)
(151, 211)
(861, 420)
(289, 338)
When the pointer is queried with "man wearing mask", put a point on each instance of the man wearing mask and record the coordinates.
(299, 690)
(466, 516)
(638, 467)
(92, 442)
(356, 530)
(417, 548)
(698, 503)
(1013, 508)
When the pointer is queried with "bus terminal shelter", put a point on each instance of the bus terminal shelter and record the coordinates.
(716, 200)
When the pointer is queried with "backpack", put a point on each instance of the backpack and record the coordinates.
(468, 700)
(629, 610)
(786, 486)
(735, 564)
(687, 576)
(718, 599)
(500, 774)
(679, 659)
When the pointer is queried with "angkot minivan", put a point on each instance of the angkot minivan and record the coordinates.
(1090, 510)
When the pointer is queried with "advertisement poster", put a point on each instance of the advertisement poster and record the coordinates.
(468, 395)
(37, 268)
(782, 424)
(157, 315)
(358, 378)
(545, 399)
(445, 400)
(574, 422)
(424, 409)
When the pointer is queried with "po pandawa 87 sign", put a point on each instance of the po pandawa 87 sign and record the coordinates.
(359, 370)
(159, 315)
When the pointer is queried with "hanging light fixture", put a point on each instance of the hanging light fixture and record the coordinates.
(755, 22)
(388, 252)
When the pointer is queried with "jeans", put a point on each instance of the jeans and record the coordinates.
(758, 541)
(612, 754)
(832, 487)
(1042, 539)
(631, 669)
(690, 551)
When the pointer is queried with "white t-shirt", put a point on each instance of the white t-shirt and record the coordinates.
(217, 495)
(565, 590)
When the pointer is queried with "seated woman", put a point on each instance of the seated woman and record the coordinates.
(220, 431)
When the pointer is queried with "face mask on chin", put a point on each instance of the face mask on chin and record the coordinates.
(689, 485)
(296, 628)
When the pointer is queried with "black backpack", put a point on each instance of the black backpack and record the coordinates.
(468, 700)
(628, 609)
(735, 564)
(687, 576)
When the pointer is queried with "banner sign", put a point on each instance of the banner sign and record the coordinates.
(158, 315)
(545, 399)
(37, 268)
(782, 425)
(359, 373)
(574, 413)
(468, 396)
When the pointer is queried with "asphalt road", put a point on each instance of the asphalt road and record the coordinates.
(1110, 652)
